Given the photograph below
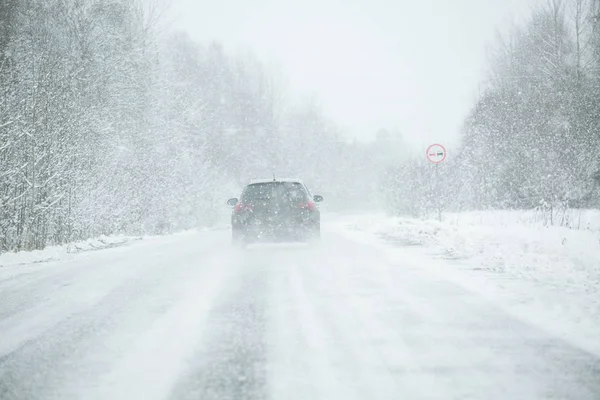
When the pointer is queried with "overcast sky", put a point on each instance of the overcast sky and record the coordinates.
(407, 65)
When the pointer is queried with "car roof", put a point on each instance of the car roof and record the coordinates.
(290, 180)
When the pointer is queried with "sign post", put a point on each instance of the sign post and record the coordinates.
(436, 154)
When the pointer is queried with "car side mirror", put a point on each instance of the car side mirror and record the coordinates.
(232, 202)
(317, 198)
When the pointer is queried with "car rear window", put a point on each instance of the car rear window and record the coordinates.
(291, 191)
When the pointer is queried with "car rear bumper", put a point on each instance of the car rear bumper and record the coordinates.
(273, 231)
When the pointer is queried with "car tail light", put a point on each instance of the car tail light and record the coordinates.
(241, 206)
(309, 206)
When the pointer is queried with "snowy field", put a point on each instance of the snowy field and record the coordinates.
(547, 274)
(380, 309)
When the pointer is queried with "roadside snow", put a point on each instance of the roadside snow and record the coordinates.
(547, 275)
(54, 253)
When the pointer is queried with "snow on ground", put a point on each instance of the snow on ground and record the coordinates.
(55, 253)
(548, 275)
(573, 219)
(188, 316)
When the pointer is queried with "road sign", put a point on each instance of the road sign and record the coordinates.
(436, 153)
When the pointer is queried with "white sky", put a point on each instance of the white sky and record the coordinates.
(407, 65)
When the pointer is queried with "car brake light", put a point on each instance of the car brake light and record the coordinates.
(240, 206)
(310, 205)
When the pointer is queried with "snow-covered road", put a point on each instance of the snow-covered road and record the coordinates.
(189, 317)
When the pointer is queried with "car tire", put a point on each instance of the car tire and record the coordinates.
(314, 232)
(237, 238)
(317, 231)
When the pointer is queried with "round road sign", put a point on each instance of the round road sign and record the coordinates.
(436, 153)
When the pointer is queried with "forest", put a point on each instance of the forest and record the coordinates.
(112, 122)
(532, 139)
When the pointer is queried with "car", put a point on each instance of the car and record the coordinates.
(273, 210)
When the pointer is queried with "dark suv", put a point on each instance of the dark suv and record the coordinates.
(274, 210)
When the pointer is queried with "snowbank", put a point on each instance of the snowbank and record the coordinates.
(549, 275)
(573, 219)
(54, 253)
